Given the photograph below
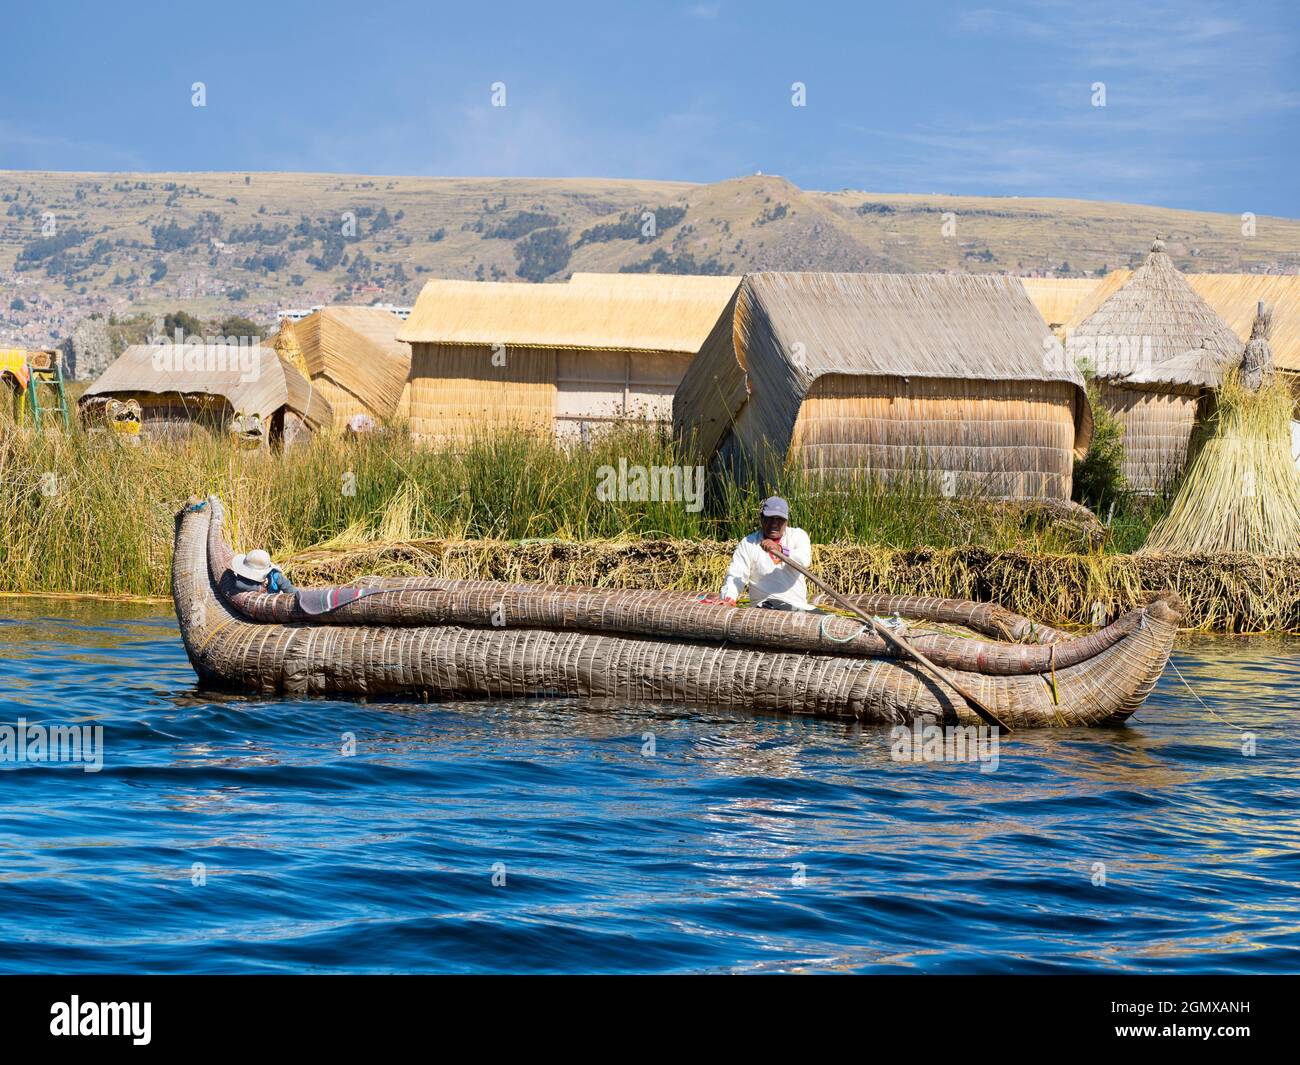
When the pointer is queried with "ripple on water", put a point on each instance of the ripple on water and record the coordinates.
(234, 834)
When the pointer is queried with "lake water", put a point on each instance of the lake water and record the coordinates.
(233, 835)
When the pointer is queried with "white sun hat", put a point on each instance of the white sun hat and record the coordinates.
(255, 565)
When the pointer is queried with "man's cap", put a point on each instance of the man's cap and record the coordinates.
(775, 507)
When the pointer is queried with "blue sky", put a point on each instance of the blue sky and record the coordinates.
(1202, 99)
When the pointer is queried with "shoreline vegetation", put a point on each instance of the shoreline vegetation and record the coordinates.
(92, 514)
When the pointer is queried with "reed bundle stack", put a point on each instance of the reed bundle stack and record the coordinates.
(1242, 491)
(352, 357)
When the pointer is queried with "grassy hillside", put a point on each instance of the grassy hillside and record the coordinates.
(217, 243)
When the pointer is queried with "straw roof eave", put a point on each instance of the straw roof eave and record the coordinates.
(588, 316)
(790, 330)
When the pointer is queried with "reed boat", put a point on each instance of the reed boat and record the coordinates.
(435, 638)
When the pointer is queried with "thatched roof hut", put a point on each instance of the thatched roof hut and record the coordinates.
(245, 390)
(1234, 298)
(955, 378)
(564, 358)
(1158, 349)
(354, 359)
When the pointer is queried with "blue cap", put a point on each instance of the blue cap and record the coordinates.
(775, 507)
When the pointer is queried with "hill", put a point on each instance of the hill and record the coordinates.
(214, 244)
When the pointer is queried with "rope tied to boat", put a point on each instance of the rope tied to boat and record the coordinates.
(821, 627)
(1213, 713)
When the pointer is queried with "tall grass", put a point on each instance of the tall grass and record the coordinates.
(85, 513)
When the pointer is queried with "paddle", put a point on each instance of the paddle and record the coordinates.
(897, 642)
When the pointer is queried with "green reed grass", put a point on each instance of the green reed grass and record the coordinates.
(83, 513)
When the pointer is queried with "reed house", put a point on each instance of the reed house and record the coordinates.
(1158, 350)
(245, 391)
(567, 358)
(952, 378)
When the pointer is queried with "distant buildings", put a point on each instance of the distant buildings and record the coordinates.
(297, 314)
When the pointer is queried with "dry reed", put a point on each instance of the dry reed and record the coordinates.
(518, 507)
(1242, 492)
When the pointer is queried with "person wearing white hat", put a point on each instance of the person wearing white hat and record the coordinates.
(771, 584)
(255, 572)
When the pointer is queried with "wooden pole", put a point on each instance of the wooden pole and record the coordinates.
(897, 642)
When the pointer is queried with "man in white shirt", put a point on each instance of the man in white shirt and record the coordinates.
(771, 584)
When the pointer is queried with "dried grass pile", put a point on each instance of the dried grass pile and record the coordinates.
(1242, 492)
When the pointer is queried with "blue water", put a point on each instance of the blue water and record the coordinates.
(616, 861)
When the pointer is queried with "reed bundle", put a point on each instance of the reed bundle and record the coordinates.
(1242, 492)
(286, 345)
(352, 357)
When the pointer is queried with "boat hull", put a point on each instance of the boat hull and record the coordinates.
(231, 651)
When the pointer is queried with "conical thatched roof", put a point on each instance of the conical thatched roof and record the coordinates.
(1234, 298)
(1155, 330)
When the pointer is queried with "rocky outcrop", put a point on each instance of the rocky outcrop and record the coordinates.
(88, 351)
